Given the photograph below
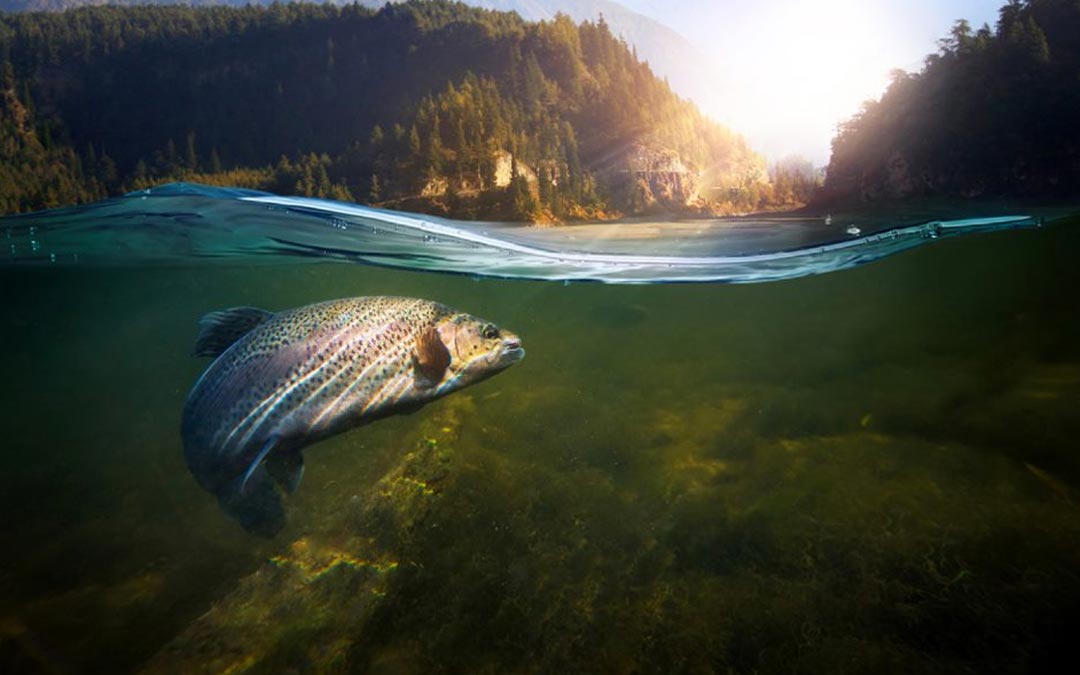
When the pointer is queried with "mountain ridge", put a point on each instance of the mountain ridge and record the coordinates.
(474, 112)
(668, 53)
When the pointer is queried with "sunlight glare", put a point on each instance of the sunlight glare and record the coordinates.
(802, 68)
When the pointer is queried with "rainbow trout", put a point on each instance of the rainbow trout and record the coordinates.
(283, 381)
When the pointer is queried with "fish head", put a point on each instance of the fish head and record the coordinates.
(478, 349)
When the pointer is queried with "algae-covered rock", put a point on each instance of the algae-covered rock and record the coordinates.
(707, 537)
(307, 604)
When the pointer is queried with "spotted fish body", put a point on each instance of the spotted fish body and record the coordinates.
(284, 381)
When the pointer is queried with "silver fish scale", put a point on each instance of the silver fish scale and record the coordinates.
(308, 373)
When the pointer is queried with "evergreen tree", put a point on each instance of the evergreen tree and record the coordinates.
(308, 80)
(191, 157)
(375, 191)
(977, 119)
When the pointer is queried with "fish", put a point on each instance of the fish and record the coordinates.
(282, 381)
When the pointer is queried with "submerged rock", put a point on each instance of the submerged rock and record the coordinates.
(311, 601)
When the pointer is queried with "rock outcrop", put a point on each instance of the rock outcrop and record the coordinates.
(650, 178)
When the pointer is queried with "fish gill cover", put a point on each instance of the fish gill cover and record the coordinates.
(183, 223)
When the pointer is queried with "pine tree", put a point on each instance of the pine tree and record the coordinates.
(191, 157)
(375, 192)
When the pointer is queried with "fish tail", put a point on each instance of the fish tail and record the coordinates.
(256, 504)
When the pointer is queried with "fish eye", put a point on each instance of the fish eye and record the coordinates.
(489, 332)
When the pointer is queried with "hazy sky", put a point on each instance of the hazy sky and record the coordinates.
(789, 70)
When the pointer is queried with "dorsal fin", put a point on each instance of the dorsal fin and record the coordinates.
(431, 358)
(218, 330)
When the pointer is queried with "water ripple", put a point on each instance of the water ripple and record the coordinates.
(183, 223)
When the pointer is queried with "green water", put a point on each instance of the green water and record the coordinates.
(870, 470)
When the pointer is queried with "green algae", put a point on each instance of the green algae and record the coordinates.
(820, 552)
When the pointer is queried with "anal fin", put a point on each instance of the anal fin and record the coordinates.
(287, 468)
(255, 503)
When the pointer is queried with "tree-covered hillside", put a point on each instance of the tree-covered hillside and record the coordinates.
(995, 112)
(669, 54)
(422, 104)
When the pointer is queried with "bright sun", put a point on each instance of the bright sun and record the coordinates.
(800, 68)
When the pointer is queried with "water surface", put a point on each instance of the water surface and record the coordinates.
(185, 223)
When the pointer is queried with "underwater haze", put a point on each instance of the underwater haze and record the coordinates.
(868, 463)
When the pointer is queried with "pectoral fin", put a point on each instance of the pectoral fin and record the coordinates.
(431, 358)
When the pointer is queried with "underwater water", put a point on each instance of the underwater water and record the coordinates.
(873, 468)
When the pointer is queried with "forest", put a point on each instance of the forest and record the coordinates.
(995, 112)
(431, 106)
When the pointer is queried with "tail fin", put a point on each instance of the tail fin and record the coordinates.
(256, 505)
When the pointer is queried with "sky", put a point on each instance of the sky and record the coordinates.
(789, 71)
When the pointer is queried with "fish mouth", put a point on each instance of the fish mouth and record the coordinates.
(511, 350)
